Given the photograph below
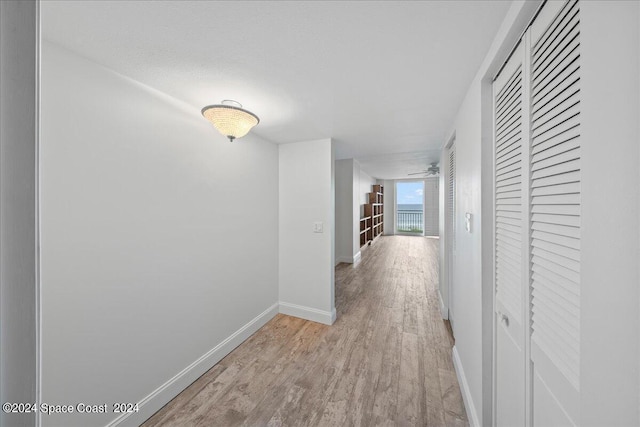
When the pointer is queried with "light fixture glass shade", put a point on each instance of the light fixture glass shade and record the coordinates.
(230, 119)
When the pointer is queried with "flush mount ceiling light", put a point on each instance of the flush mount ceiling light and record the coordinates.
(230, 118)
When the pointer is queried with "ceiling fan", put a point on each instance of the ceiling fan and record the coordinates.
(434, 169)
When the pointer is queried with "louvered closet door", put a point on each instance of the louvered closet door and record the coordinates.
(431, 207)
(451, 230)
(555, 214)
(510, 241)
(537, 223)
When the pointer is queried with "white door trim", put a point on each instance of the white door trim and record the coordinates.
(449, 255)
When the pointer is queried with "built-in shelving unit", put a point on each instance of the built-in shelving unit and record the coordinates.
(365, 227)
(371, 225)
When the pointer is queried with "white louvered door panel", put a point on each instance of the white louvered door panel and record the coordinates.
(452, 197)
(510, 189)
(431, 208)
(451, 229)
(555, 213)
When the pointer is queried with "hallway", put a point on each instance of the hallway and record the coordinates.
(385, 361)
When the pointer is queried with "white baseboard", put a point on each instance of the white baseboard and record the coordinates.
(349, 260)
(308, 313)
(444, 311)
(167, 391)
(466, 393)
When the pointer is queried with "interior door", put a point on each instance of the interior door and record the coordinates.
(537, 191)
(511, 237)
(431, 207)
(555, 163)
(451, 230)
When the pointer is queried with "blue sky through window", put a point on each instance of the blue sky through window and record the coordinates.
(409, 193)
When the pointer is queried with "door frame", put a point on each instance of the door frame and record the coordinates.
(20, 308)
(448, 246)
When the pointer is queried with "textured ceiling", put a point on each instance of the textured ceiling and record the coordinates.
(380, 78)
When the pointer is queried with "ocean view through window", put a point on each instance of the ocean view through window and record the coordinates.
(410, 207)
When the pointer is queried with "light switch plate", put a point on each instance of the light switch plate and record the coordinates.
(318, 227)
(467, 222)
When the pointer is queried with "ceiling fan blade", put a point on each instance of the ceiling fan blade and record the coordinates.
(417, 173)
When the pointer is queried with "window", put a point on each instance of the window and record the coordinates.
(410, 207)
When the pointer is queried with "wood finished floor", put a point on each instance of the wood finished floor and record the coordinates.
(386, 360)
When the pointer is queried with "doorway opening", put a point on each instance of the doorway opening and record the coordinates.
(410, 208)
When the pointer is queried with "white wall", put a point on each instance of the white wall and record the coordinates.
(389, 220)
(356, 211)
(366, 186)
(345, 219)
(609, 238)
(158, 240)
(610, 213)
(352, 192)
(18, 209)
(465, 296)
(305, 258)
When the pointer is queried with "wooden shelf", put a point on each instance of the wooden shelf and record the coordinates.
(365, 228)
(374, 216)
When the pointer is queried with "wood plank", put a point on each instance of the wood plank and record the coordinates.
(408, 412)
(385, 362)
